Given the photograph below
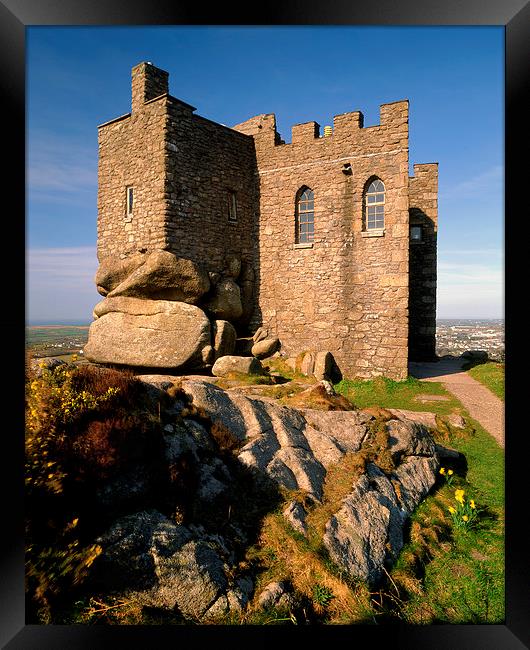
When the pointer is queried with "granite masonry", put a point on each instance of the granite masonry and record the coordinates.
(234, 201)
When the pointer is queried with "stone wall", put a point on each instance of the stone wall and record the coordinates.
(348, 292)
(206, 162)
(132, 153)
(423, 199)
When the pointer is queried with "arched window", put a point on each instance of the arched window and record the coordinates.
(305, 216)
(374, 205)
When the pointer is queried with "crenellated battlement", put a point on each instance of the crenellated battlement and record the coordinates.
(348, 131)
(306, 132)
(425, 170)
(347, 122)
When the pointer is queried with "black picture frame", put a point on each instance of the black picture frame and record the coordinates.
(15, 16)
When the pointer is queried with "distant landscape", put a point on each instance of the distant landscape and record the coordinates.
(56, 340)
(453, 336)
(456, 336)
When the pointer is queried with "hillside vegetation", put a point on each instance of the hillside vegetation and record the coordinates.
(88, 426)
(490, 374)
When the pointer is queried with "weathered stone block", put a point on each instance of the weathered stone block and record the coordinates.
(148, 333)
(243, 365)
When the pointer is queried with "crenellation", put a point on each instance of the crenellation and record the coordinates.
(347, 125)
(307, 132)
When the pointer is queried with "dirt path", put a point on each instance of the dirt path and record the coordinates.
(485, 407)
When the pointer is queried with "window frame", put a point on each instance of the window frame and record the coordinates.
(232, 206)
(305, 226)
(129, 200)
(377, 221)
(420, 229)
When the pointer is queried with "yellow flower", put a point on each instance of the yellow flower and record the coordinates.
(452, 510)
(450, 471)
(472, 504)
(442, 470)
(465, 518)
(459, 496)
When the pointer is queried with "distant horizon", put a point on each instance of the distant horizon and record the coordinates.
(80, 322)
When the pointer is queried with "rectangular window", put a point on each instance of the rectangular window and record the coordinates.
(415, 233)
(232, 207)
(375, 217)
(306, 227)
(130, 200)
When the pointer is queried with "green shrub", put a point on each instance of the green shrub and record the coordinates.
(322, 595)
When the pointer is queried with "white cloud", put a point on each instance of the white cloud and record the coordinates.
(489, 181)
(476, 274)
(60, 283)
(59, 165)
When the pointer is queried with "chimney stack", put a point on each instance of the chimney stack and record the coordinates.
(148, 82)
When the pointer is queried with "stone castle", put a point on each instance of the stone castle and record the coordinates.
(207, 233)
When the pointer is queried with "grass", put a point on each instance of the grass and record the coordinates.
(491, 375)
(241, 379)
(386, 393)
(443, 574)
(283, 554)
(461, 572)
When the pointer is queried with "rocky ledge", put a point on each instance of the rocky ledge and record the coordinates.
(231, 448)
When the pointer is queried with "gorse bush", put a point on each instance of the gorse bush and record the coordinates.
(54, 568)
(53, 403)
(83, 426)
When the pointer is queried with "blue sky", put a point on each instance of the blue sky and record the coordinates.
(79, 77)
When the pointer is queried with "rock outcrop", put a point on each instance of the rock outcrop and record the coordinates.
(145, 294)
(186, 567)
(242, 365)
(225, 301)
(38, 366)
(224, 338)
(163, 564)
(164, 276)
(112, 272)
(319, 364)
(149, 334)
(265, 348)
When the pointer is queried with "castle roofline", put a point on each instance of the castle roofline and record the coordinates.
(180, 102)
(176, 100)
(398, 101)
(116, 119)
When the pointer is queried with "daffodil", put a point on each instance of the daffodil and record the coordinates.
(465, 518)
(442, 470)
(472, 504)
(452, 510)
(450, 472)
(459, 496)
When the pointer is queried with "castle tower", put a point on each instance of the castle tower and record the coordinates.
(331, 243)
